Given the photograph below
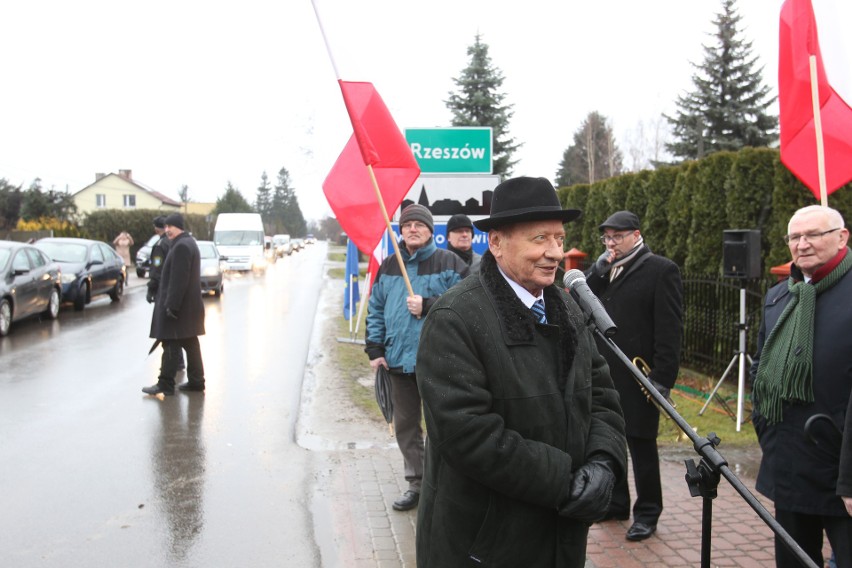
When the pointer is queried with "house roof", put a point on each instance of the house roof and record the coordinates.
(129, 179)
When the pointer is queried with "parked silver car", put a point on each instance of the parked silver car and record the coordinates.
(30, 284)
(211, 268)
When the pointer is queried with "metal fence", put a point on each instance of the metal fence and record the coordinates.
(712, 317)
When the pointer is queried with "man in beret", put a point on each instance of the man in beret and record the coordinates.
(526, 437)
(394, 319)
(460, 240)
(178, 317)
(643, 294)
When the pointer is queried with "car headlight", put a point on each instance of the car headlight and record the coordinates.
(68, 277)
(210, 270)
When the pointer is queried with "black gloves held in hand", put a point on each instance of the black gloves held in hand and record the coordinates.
(591, 491)
(151, 296)
(171, 313)
(602, 265)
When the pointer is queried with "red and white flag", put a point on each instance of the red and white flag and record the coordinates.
(377, 142)
(798, 42)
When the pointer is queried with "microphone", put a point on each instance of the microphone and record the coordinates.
(575, 281)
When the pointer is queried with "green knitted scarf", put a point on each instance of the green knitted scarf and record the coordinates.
(785, 372)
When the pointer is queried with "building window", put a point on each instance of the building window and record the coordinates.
(100, 199)
(130, 201)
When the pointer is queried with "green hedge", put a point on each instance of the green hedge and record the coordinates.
(685, 208)
(107, 224)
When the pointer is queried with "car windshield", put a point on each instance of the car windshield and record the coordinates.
(4, 256)
(207, 250)
(64, 252)
(236, 238)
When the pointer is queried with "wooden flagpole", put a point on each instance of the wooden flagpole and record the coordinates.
(823, 193)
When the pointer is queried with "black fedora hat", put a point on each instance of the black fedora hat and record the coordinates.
(523, 199)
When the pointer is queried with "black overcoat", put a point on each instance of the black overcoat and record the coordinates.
(512, 409)
(180, 291)
(646, 304)
(797, 473)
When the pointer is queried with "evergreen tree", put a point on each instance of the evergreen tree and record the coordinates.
(10, 204)
(38, 204)
(232, 201)
(728, 108)
(593, 156)
(478, 102)
(263, 201)
(285, 205)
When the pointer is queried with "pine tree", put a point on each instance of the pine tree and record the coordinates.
(263, 201)
(232, 201)
(287, 214)
(728, 108)
(593, 156)
(478, 102)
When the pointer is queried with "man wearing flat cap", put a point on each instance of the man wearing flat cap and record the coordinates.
(460, 240)
(394, 319)
(643, 294)
(178, 317)
(526, 436)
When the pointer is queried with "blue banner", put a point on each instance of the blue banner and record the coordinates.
(352, 291)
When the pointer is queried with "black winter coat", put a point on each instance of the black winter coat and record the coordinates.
(796, 473)
(180, 291)
(512, 408)
(646, 304)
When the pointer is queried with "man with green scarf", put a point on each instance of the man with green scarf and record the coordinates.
(802, 378)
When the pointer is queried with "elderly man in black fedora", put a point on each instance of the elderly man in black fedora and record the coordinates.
(526, 436)
(178, 317)
(643, 294)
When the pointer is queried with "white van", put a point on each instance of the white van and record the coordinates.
(239, 237)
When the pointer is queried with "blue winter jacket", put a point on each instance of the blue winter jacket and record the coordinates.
(392, 332)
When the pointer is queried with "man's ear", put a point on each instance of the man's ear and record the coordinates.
(495, 243)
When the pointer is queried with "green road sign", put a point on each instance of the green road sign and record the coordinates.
(460, 150)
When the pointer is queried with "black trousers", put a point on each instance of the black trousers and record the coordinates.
(173, 358)
(646, 474)
(807, 531)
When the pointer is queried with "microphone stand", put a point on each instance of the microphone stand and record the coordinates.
(703, 479)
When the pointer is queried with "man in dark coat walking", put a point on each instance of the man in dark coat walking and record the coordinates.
(643, 294)
(178, 317)
(802, 379)
(525, 434)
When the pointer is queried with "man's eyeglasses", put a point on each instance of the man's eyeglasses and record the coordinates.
(614, 238)
(809, 237)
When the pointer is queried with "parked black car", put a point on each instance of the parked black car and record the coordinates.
(30, 283)
(89, 268)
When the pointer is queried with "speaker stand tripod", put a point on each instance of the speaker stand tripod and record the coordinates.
(740, 358)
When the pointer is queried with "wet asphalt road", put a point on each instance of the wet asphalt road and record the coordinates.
(94, 473)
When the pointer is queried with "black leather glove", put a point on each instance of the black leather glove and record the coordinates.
(591, 491)
(171, 314)
(602, 265)
(665, 391)
(151, 296)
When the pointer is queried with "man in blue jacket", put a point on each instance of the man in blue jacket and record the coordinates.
(394, 319)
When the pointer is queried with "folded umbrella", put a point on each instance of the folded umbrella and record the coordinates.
(383, 395)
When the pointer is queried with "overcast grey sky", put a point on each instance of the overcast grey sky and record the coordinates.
(200, 93)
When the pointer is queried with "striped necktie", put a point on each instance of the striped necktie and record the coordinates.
(538, 310)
